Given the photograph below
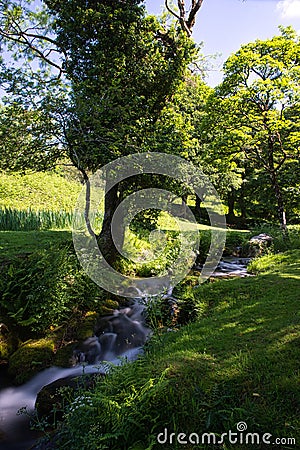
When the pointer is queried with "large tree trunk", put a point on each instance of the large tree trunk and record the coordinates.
(105, 239)
(183, 205)
(231, 202)
(276, 187)
(280, 203)
(198, 208)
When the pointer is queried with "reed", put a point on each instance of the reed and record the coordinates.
(34, 220)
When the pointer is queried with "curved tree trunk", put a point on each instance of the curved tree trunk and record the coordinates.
(105, 239)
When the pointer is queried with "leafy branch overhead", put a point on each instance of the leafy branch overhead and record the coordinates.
(28, 33)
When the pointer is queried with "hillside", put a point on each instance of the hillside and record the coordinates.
(38, 191)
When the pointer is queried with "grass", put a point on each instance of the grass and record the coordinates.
(30, 220)
(38, 191)
(240, 362)
(14, 243)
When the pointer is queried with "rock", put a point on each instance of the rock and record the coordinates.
(63, 356)
(263, 237)
(30, 358)
(258, 244)
(53, 398)
(87, 325)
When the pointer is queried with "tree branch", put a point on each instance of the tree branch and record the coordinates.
(186, 23)
(22, 38)
(170, 10)
(196, 5)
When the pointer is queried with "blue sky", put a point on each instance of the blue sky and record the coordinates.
(224, 25)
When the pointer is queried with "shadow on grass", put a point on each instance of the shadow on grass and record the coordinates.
(14, 243)
(242, 360)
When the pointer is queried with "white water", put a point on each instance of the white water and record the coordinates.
(119, 340)
(15, 427)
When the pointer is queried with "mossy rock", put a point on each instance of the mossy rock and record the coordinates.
(8, 342)
(87, 326)
(31, 357)
(53, 398)
(108, 307)
(63, 356)
(7, 346)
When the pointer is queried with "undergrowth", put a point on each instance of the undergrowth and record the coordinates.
(237, 362)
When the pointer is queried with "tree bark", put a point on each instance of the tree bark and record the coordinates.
(183, 205)
(280, 203)
(197, 208)
(231, 202)
(277, 189)
(242, 202)
(105, 239)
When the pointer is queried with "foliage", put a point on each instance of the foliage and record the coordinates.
(237, 363)
(254, 112)
(276, 263)
(120, 68)
(40, 290)
(280, 244)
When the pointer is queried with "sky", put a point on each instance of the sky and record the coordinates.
(224, 25)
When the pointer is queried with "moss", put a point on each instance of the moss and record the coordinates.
(108, 307)
(30, 358)
(8, 342)
(87, 327)
(4, 349)
(63, 356)
(7, 347)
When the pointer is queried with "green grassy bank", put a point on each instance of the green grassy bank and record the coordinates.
(238, 362)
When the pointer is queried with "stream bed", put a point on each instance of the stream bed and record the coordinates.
(120, 337)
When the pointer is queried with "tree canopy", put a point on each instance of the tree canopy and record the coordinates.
(254, 109)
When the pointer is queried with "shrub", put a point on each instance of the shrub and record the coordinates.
(40, 290)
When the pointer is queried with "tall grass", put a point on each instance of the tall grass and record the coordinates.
(30, 220)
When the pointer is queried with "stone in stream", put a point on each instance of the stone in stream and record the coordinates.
(114, 334)
(258, 244)
(52, 398)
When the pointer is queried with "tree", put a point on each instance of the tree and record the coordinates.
(119, 65)
(185, 16)
(252, 108)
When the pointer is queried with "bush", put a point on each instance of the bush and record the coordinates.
(40, 290)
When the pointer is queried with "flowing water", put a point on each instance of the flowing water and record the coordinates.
(232, 267)
(122, 334)
(117, 339)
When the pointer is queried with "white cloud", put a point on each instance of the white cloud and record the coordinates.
(289, 9)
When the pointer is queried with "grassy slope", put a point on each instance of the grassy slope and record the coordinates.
(39, 191)
(13, 243)
(239, 363)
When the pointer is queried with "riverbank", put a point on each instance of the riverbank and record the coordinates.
(239, 362)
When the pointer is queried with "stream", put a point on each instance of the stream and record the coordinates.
(118, 338)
